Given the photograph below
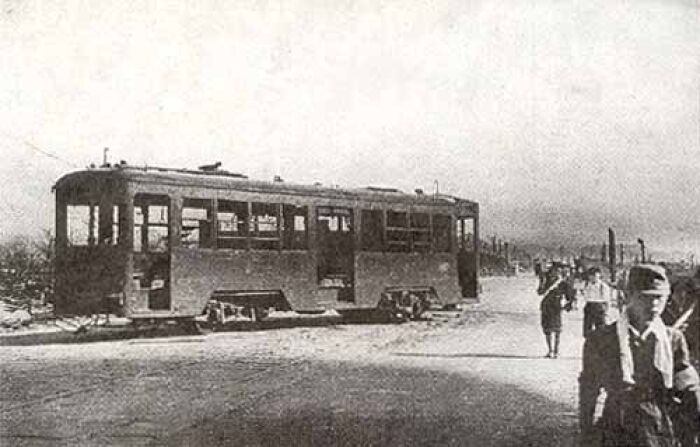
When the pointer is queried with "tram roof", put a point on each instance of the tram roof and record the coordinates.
(219, 179)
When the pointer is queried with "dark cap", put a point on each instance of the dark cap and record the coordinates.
(648, 279)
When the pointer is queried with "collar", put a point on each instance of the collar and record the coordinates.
(656, 326)
(663, 355)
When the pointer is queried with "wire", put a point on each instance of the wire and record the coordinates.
(49, 154)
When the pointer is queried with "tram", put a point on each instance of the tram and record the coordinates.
(153, 243)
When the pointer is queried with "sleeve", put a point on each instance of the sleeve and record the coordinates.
(589, 387)
(542, 287)
(684, 375)
(686, 388)
(570, 291)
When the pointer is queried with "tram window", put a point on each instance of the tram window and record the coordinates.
(336, 219)
(109, 224)
(396, 219)
(82, 224)
(420, 232)
(138, 225)
(264, 222)
(151, 223)
(465, 233)
(294, 227)
(372, 230)
(232, 219)
(397, 231)
(196, 223)
(157, 238)
(442, 225)
(117, 213)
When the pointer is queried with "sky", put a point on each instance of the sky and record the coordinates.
(561, 118)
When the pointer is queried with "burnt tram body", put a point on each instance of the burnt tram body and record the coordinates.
(152, 243)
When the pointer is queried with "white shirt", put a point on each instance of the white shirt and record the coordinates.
(597, 292)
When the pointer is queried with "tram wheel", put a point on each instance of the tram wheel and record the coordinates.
(203, 327)
(260, 313)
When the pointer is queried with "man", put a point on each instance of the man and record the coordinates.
(596, 295)
(652, 391)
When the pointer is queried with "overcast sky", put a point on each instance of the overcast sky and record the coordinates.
(560, 117)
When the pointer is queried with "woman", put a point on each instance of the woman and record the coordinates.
(557, 295)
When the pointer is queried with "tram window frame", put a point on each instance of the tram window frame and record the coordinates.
(266, 215)
(86, 216)
(295, 227)
(421, 240)
(146, 224)
(235, 238)
(203, 227)
(372, 233)
(398, 236)
(338, 219)
(442, 232)
(465, 239)
(110, 224)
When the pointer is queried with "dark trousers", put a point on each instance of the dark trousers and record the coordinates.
(593, 317)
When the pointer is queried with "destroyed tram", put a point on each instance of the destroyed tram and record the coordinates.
(210, 245)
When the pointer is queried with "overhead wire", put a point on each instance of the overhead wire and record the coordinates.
(49, 154)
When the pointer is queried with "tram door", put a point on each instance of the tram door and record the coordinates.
(152, 251)
(466, 257)
(336, 251)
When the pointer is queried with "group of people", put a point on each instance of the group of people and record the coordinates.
(637, 386)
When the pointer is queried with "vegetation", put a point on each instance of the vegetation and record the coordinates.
(26, 270)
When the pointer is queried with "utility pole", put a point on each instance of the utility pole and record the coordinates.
(641, 246)
(622, 255)
(611, 256)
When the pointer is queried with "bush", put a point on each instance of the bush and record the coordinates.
(26, 270)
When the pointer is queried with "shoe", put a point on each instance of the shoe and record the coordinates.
(556, 355)
(548, 356)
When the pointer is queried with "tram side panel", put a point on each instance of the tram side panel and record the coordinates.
(197, 274)
(89, 280)
(375, 272)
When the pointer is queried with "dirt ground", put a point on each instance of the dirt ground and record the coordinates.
(472, 378)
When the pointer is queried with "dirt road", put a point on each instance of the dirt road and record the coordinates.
(477, 378)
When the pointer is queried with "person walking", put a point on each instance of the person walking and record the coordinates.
(652, 392)
(556, 294)
(597, 295)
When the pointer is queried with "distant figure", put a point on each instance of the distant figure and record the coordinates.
(652, 393)
(556, 295)
(597, 295)
(540, 272)
(538, 268)
(578, 281)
